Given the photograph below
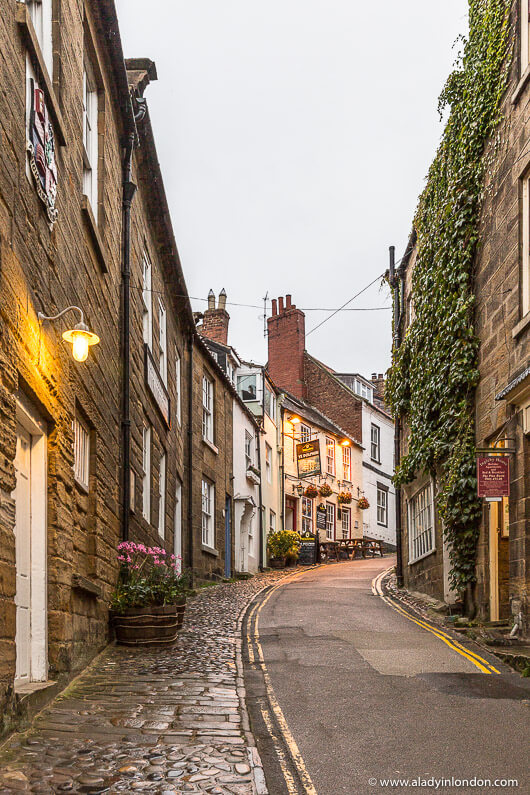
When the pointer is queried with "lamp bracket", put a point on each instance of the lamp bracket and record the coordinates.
(42, 317)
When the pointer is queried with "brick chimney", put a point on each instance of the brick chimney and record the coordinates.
(378, 381)
(286, 346)
(215, 321)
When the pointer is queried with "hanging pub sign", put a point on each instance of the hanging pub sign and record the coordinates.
(321, 516)
(493, 476)
(308, 458)
(41, 151)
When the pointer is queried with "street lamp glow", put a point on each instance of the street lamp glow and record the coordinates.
(81, 339)
(295, 420)
(345, 443)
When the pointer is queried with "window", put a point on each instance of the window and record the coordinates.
(525, 37)
(382, 506)
(90, 138)
(270, 403)
(207, 409)
(307, 515)
(229, 370)
(363, 390)
(162, 497)
(346, 463)
(146, 469)
(330, 456)
(305, 433)
(81, 453)
(525, 269)
(248, 449)
(346, 522)
(272, 521)
(41, 16)
(330, 521)
(268, 462)
(162, 337)
(420, 524)
(132, 492)
(178, 387)
(247, 387)
(375, 443)
(148, 302)
(208, 506)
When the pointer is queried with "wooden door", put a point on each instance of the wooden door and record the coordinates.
(22, 497)
(290, 514)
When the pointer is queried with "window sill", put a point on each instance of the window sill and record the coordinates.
(90, 221)
(523, 324)
(521, 85)
(210, 550)
(211, 445)
(82, 486)
(32, 43)
(422, 557)
(376, 460)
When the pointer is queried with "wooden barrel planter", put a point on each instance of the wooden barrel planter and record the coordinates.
(149, 626)
(277, 563)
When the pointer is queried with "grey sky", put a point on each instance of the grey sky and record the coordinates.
(294, 137)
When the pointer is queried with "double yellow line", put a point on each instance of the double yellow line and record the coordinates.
(482, 664)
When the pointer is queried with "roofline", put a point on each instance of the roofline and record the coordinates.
(108, 17)
(337, 429)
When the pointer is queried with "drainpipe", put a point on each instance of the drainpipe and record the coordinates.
(395, 284)
(128, 191)
(190, 452)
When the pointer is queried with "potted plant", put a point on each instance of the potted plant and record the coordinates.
(311, 492)
(280, 544)
(344, 498)
(148, 604)
(363, 503)
(325, 490)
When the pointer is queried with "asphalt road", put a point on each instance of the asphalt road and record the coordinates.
(367, 694)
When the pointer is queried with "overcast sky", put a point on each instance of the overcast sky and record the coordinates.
(294, 138)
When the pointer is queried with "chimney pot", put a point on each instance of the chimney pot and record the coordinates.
(274, 307)
(381, 375)
(222, 299)
(211, 300)
(280, 301)
(374, 376)
(288, 301)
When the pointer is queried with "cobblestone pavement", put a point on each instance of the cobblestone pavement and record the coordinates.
(163, 721)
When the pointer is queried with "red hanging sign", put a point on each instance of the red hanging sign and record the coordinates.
(493, 476)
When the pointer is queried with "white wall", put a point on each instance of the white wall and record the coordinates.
(385, 470)
(246, 495)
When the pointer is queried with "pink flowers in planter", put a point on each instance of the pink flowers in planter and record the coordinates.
(138, 555)
(148, 576)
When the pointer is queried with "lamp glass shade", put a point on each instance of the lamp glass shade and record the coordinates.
(81, 340)
(345, 443)
(295, 420)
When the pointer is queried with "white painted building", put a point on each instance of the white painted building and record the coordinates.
(246, 520)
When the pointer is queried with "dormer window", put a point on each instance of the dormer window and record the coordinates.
(363, 390)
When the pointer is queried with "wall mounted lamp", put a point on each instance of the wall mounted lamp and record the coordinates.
(345, 443)
(80, 336)
(294, 420)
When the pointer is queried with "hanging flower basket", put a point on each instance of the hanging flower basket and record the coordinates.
(325, 490)
(344, 498)
(363, 504)
(311, 492)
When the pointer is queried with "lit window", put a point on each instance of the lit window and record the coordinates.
(207, 409)
(272, 521)
(268, 462)
(178, 387)
(162, 336)
(305, 433)
(525, 35)
(420, 524)
(346, 522)
(375, 443)
(208, 502)
(248, 449)
(382, 506)
(525, 269)
(148, 302)
(330, 521)
(330, 456)
(146, 469)
(307, 515)
(162, 498)
(90, 138)
(346, 463)
(81, 453)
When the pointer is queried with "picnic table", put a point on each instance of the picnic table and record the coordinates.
(350, 548)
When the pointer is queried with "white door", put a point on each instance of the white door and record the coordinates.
(177, 545)
(22, 497)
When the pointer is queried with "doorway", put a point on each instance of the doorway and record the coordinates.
(29, 497)
(290, 514)
(499, 534)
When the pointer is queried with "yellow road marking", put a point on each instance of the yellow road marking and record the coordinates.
(289, 780)
(482, 664)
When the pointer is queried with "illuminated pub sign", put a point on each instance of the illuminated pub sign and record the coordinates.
(308, 458)
(493, 476)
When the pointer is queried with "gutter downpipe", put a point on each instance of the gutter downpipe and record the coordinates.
(394, 283)
(190, 452)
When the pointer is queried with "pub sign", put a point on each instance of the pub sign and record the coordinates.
(308, 458)
(493, 476)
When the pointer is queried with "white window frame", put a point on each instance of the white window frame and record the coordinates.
(132, 491)
(525, 269)
(146, 472)
(272, 521)
(268, 462)
(330, 521)
(81, 453)
(208, 513)
(375, 443)
(420, 521)
(382, 506)
(207, 409)
(41, 18)
(162, 497)
(90, 137)
(249, 458)
(162, 339)
(307, 515)
(524, 36)
(363, 390)
(178, 387)
(346, 463)
(345, 514)
(305, 433)
(147, 298)
(330, 455)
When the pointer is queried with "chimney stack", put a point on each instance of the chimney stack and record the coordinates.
(286, 339)
(378, 382)
(215, 321)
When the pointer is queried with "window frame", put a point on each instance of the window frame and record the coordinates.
(207, 409)
(91, 137)
(382, 506)
(330, 459)
(162, 341)
(178, 387)
(249, 458)
(305, 433)
(375, 445)
(525, 253)
(146, 471)
(162, 488)
(147, 300)
(268, 462)
(208, 513)
(272, 524)
(307, 515)
(41, 15)
(417, 535)
(82, 447)
(343, 513)
(331, 519)
(346, 470)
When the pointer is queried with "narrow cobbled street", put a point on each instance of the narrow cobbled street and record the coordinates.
(150, 721)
